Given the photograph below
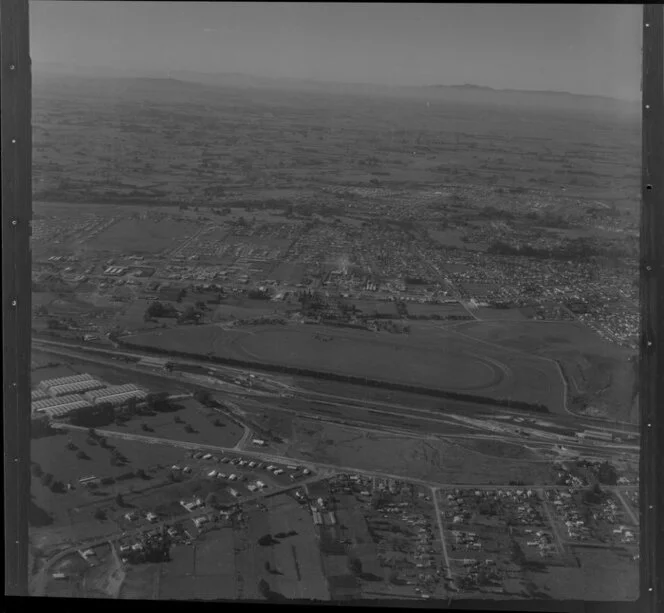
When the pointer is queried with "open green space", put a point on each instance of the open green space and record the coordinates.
(195, 424)
(429, 357)
(600, 375)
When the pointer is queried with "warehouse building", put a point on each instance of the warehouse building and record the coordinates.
(40, 405)
(39, 395)
(79, 387)
(97, 395)
(49, 383)
(62, 409)
(118, 399)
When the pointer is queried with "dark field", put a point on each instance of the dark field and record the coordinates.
(442, 361)
(599, 374)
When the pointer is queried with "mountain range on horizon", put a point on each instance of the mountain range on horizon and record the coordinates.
(242, 79)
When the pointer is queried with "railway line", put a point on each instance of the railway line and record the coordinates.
(398, 418)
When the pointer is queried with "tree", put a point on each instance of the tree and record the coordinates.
(189, 314)
(119, 500)
(100, 514)
(92, 433)
(81, 455)
(47, 479)
(355, 565)
(607, 474)
(37, 470)
(202, 396)
(211, 500)
(141, 474)
(156, 309)
(264, 588)
(58, 487)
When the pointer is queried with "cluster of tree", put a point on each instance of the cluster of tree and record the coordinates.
(607, 474)
(267, 593)
(49, 481)
(439, 317)
(549, 219)
(262, 320)
(416, 281)
(593, 495)
(205, 398)
(311, 301)
(493, 213)
(159, 309)
(577, 249)
(258, 294)
(190, 315)
(353, 379)
(393, 327)
(267, 540)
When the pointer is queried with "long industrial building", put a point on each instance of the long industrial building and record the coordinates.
(57, 397)
(79, 387)
(118, 399)
(40, 405)
(49, 383)
(39, 395)
(99, 395)
(63, 409)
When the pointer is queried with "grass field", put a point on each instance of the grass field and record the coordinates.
(143, 236)
(61, 517)
(202, 420)
(229, 563)
(407, 457)
(429, 357)
(595, 369)
(604, 576)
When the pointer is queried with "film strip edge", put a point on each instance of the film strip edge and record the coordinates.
(16, 162)
(652, 312)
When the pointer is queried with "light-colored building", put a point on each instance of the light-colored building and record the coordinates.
(48, 383)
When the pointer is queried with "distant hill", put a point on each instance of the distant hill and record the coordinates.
(547, 92)
(177, 81)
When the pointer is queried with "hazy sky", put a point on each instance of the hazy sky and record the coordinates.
(591, 49)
